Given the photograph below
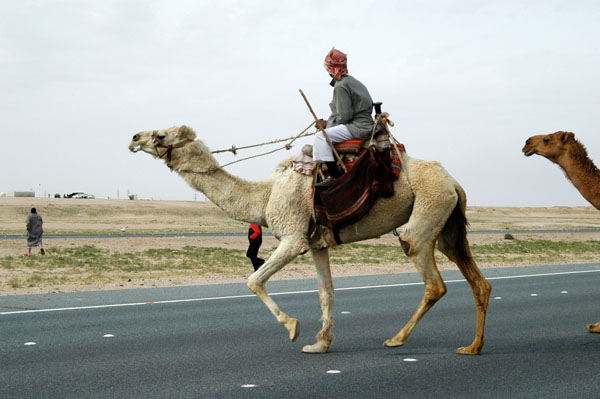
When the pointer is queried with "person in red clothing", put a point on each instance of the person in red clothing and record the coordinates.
(255, 239)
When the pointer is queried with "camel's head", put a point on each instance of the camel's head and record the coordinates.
(550, 146)
(160, 142)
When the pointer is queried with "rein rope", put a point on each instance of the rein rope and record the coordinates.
(233, 149)
(287, 146)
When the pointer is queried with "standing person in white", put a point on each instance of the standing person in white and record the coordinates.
(351, 109)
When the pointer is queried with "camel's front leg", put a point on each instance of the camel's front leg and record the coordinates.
(595, 328)
(326, 297)
(287, 250)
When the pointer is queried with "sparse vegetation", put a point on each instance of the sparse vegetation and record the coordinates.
(170, 261)
(89, 265)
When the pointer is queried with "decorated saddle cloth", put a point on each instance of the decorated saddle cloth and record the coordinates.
(348, 198)
(351, 150)
(395, 152)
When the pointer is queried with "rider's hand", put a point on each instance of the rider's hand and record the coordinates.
(323, 123)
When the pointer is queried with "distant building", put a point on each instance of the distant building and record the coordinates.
(20, 193)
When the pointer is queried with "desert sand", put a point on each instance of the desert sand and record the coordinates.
(103, 216)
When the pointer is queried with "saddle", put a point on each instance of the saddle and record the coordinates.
(372, 167)
(351, 150)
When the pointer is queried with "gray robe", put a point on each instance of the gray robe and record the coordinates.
(34, 230)
(351, 106)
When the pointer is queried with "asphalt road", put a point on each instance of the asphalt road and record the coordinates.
(218, 341)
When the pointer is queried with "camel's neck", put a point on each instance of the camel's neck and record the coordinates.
(582, 172)
(240, 199)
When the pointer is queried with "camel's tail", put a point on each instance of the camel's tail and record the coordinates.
(454, 234)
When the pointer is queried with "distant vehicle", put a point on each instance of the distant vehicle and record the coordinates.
(79, 195)
(56, 195)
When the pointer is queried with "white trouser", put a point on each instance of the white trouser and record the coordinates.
(321, 150)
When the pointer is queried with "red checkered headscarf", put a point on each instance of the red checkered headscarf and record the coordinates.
(335, 64)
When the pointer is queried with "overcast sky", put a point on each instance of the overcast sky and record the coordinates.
(466, 82)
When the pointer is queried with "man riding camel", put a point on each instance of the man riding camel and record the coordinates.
(351, 109)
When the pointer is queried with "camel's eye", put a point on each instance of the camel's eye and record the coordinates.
(160, 136)
(546, 141)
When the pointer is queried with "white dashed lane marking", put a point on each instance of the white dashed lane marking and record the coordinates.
(219, 298)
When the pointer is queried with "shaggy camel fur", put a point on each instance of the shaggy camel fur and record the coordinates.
(428, 204)
(566, 151)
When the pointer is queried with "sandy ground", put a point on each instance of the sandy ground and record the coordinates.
(12, 247)
(17, 247)
(108, 216)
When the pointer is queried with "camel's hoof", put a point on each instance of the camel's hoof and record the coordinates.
(293, 327)
(319, 347)
(467, 350)
(595, 328)
(392, 343)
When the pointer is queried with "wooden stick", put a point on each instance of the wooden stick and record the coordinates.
(335, 153)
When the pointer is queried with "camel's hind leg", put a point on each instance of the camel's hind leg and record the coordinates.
(595, 328)
(433, 205)
(287, 250)
(326, 297)
(454, 244)
(434, 290)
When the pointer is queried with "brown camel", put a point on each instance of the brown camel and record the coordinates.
(428, 206)
(566, 151)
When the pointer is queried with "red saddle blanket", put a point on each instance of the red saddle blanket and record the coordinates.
(349, 197)
(396, 160)
(355, 146)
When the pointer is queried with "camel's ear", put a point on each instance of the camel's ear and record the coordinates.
(565, 136)
(186, 133)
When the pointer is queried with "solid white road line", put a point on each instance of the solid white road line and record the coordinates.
(120, 305)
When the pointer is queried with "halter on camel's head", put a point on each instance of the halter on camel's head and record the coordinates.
(161, 143)
(170, 139)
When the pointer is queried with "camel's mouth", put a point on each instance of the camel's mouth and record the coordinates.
(528, 152)
(135, 148)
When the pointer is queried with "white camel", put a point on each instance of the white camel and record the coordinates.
(428, 206)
